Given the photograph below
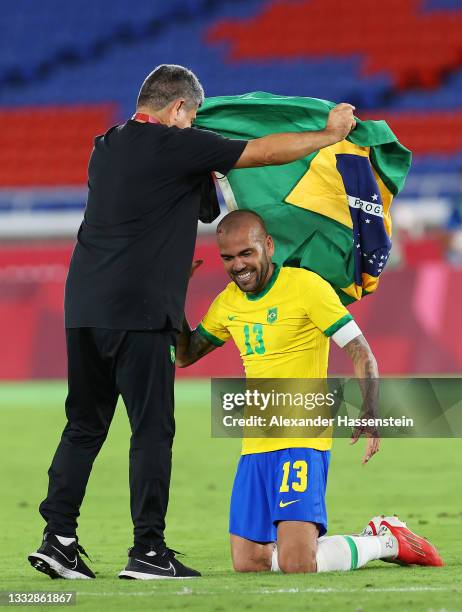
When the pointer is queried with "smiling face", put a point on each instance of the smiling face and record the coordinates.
(246, 252)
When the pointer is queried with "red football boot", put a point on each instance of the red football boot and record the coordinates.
(412, 549)
(373, 526)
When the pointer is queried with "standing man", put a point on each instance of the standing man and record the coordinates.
(124, 304)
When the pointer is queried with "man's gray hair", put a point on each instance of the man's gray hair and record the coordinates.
(169, 82)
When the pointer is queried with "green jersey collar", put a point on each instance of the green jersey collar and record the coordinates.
(272, 280)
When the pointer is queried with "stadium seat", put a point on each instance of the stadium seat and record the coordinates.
(400, 61)
(44, 147)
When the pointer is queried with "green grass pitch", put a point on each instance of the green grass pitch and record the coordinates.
(419, 479)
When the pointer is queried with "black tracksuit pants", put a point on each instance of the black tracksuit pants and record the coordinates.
(103, 363)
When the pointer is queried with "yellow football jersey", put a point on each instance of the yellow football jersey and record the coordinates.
(282, 332)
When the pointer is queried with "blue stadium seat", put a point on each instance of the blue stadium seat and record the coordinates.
(441, 5)
(101, 51)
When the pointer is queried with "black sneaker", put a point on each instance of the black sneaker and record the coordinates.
(59, 561)
(155, 565)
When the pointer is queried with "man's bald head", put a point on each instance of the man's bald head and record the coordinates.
(246, 249)
(237, 220)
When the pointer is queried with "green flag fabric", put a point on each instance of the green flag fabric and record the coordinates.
(329, 212)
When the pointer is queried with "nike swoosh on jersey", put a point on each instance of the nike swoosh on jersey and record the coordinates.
(284, 504)
(170, 569)
(74, 561)
(231, 317)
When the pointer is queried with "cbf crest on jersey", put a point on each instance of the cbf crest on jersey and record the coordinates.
(272, 316)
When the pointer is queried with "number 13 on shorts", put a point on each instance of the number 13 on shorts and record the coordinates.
(299, 482)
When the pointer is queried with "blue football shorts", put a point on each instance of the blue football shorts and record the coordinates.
(282, 485)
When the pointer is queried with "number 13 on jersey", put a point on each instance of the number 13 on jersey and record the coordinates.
(300, 483)
(255, 343)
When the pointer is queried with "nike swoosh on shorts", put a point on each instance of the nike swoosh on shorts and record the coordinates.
(284, 504)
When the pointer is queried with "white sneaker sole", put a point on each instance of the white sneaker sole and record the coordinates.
(49, 566)
(141, 576)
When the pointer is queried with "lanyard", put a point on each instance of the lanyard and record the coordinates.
(145, 117)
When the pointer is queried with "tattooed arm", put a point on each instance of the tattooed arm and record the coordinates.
(362, 357)
(191, 346)
(367, 373)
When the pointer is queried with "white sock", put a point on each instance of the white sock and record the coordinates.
(350, 552)
(345, 553)
(274, 560)
(65, 541)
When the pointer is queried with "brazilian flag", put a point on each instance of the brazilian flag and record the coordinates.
(328, 212)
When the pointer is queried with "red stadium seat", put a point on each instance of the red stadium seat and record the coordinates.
(424, 132)
(397, 37)
(49, 146)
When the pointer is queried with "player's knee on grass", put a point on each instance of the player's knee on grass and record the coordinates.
(251, 565)
(297, 562)
(258, 560)
(297, 545)
(249, 556)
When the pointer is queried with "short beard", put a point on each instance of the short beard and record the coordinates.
(263, 277)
